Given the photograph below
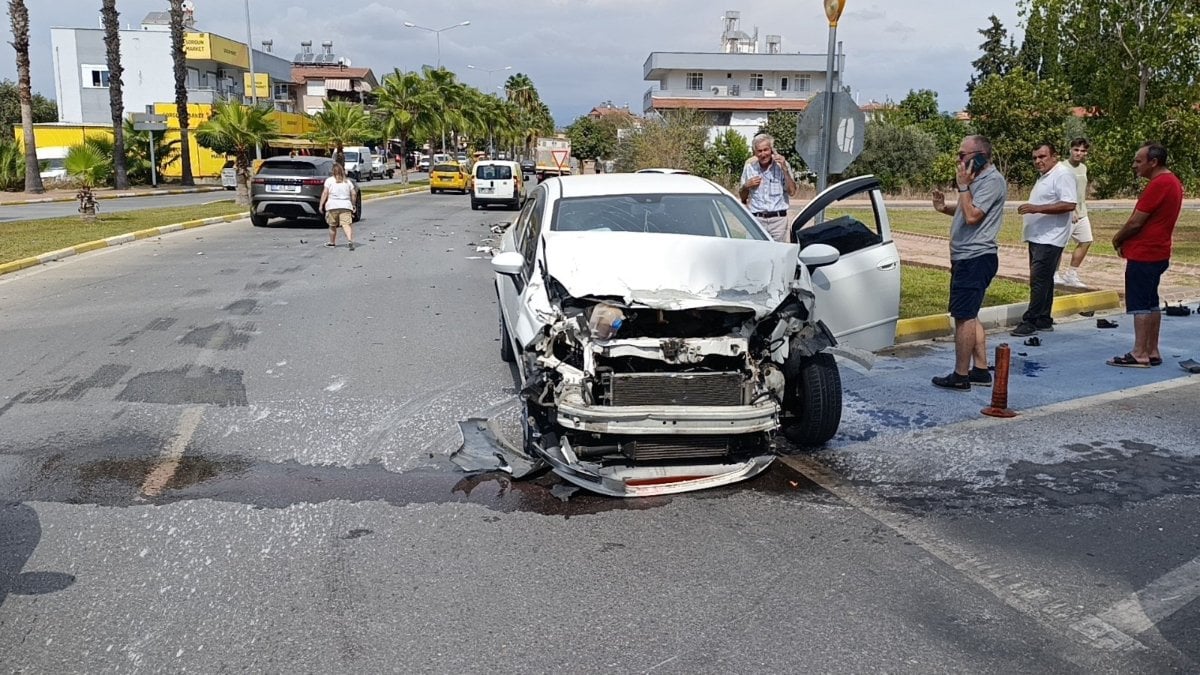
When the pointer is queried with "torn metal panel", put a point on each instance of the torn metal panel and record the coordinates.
(482, 450)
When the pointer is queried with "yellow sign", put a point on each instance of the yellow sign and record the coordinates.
(262, 86)
(833, 10)
(209, 47)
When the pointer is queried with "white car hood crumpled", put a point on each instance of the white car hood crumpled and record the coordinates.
(671, 271)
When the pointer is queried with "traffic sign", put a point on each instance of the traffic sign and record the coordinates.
(849, 131)
(148, 122)
(561, 158)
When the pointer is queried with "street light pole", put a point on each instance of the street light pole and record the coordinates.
(489, 71)
(253, 82)
(438, 33)
(833, 11)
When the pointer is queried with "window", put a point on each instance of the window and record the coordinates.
(95, 77)
(695, 81)
(316, 87)
(783, 83)
(700, 215)
(281, 91)
(801, 82)
(756, 81)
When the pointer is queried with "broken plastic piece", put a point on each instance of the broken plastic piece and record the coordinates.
(605, 321)
(1105, 323)
(1190, 365)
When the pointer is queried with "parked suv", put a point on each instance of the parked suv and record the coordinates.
(290, 187)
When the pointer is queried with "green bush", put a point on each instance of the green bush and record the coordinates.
(12, 167)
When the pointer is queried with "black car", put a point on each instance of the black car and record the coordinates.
(291, 187)
(528, 166)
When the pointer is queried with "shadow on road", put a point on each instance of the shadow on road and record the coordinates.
(20, 532)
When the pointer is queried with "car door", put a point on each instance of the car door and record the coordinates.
(858, 296)
(522, 294)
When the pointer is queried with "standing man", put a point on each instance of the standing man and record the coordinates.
(767, 184)
(1144, 241)
(978, 213)
(1081, 227)
(1047, 230)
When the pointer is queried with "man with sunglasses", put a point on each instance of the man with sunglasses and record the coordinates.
(1047, 217)
(978, 213)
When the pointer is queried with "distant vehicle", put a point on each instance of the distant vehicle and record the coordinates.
(383, 166)
(291, 187)
(441, 158)
(461, 157)
(358, 162)
(229, 175)
(449, 176)
(423, 163)
(528, 166)
(552, 157)
(679, 171)
(497, 182)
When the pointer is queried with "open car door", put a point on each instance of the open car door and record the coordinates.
(858, 297)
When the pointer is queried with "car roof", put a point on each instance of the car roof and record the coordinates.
(652, 170)
(312, 159)
(485, 162)
(592, 185)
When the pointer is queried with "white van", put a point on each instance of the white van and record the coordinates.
(358, 162)
(497, 182)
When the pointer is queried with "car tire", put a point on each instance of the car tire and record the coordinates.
(356, 215)
(474, 205)
(814, 399)
(258, 220)
(507, 354)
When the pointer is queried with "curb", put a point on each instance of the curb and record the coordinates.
(119, 195)
(117, 240)
(941, 325)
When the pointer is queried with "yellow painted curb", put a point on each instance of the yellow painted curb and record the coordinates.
(1066, 305)
(143, 234)
(89, 246)
(193, 223)
(18, 265)
(921, 327)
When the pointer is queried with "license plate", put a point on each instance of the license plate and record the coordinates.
(283, 188)
(485, 191)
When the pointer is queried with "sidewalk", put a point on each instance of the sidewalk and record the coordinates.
(68, 194)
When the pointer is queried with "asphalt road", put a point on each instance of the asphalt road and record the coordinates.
(226, 449)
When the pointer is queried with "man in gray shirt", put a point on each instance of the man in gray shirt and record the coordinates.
(978, 214)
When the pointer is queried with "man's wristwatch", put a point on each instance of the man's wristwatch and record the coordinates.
(962, 189)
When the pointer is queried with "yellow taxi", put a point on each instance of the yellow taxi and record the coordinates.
(449, 176)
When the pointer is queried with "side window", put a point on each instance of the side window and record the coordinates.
(522, 226)
(533, 233)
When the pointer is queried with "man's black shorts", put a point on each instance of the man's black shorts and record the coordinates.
(969, 281)
(1141, 285)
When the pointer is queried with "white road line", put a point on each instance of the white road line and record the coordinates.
(1158, 600)
(1018, 592)
(156, 481)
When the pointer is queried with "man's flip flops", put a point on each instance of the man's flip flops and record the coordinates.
(1126, 361)
(1190, 365)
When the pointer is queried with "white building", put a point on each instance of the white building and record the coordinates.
(738, 86)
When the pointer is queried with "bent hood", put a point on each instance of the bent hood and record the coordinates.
(672, 271)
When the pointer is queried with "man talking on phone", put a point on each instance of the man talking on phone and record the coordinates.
(767, 183)
(978, 212)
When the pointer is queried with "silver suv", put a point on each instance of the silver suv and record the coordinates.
(290, 187)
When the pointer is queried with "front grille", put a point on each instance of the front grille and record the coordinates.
(658, 448)
(700, 389)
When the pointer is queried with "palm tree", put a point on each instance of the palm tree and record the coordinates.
(520, 90)
(179, 58)
(112, 48)
(408, 108)
(89, 166)
(240, 127)
(18, 13)
(137, 152)
(450, 94)
(341, 124)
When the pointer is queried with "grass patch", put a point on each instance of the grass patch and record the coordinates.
(25, 238)
(391, 187)
(1104, 225)
(925, 291)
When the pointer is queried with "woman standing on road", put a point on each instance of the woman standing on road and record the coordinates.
(337, 201)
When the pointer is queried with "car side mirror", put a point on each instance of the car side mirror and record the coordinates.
(815, 255)
(509, 263)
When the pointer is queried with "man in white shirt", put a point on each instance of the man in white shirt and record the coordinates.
(1047, 217)
(767, 183)
(1081, 226)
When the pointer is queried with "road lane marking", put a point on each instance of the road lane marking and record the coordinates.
(1009, 586)
(168, 462)
(1160, 599)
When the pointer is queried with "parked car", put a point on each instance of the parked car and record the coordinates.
(497, 182)
(229, 175)
(290, 187)
(661, 336)
(449, 176)
(383, 166)
(358, 162)
(423, 163)
(528, 167)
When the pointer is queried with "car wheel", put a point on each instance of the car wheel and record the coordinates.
(258, 220)
(356, 215)
(814, 398)
(507, 354)
(474, 205)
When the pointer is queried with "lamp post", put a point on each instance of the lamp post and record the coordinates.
(833, 11)
(438, 33)
(489, 71)
(253, 82)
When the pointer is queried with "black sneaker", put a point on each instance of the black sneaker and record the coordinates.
(1048, 328)
(1023, 329)
(980, 376)
(953, 381)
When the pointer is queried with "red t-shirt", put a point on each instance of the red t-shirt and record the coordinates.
(1162, 199)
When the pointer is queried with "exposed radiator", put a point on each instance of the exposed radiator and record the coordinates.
(655, 448)
(699, 389)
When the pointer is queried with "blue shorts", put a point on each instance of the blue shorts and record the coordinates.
(969, 281)
(1141, 285)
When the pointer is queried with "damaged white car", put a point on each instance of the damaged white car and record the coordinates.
(662, 337)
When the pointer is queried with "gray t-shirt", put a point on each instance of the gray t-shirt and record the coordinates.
(988, 192)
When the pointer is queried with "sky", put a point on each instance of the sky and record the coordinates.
(579, 53)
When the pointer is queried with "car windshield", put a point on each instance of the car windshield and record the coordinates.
(493, 172)
(705, 215)
(446, 168)
(351, 156)
(285, 168)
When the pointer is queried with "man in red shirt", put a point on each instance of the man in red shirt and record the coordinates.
(1145, 243)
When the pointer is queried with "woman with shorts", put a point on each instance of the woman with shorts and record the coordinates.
(337, 201)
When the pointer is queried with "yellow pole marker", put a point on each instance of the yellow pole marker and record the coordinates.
(833, 10)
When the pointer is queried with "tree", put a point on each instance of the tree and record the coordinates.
(407, 107)
(242, 127)
(676, 140)
(1018, 113)
(340, 124)
(137, 153)
(44, 110)
(898, 154)
(179, 59)
(12, 166)
(1043, 42)
(920, 108)
(112, 48)
(591, 139)
(998, 54)
(89, 166)
(19, 16)
(781, 124)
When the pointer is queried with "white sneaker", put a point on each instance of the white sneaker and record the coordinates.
(1071, 278)
(1059, 280)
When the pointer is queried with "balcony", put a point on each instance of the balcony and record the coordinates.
(732, 96)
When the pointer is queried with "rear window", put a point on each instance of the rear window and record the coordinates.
(286, 168)
(493, 172)
(446, 168)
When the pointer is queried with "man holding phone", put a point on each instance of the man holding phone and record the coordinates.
(1047, 217)
(978, 213)
(767, 183)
